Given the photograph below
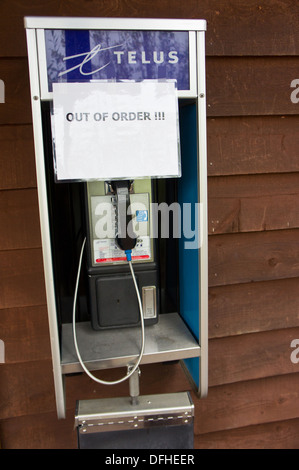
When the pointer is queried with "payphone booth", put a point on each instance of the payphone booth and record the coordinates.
(119, 121)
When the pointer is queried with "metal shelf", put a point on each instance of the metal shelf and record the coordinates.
(168, 340)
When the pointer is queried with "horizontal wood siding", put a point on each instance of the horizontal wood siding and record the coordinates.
(25, 333)
(250, 86)
(248, 403)
(238, 309)
(253, 220)
(253, 203)
(17, 157)
(277, 435)
(20, 219)
(257, 256)
(253, 144)
(251, 356)
(21, 278)
(237, 28)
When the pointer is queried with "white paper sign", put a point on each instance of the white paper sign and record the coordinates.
(113, 130)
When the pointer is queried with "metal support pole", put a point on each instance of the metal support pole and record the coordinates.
(134, 385)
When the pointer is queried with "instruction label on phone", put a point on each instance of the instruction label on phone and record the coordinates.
(106, 251)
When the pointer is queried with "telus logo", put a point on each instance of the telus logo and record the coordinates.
(130, 57)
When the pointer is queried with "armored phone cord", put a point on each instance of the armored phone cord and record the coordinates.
(104, 382)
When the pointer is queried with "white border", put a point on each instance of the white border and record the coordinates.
(203, 199)
(44, 222)
(59, 22)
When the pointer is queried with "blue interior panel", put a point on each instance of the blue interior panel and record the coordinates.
(189, 258)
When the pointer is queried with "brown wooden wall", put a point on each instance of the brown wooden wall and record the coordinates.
(253, 162)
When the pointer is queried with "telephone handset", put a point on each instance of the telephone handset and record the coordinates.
(126, 241)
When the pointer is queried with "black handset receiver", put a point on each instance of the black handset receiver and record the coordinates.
(126, 241)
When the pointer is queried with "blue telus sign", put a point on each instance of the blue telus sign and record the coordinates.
(84, 55)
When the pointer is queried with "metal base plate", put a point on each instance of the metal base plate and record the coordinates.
(156, 422)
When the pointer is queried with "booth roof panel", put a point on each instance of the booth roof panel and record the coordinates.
(40, 22)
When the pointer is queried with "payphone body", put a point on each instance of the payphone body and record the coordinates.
(112, 299)
(172, 277)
